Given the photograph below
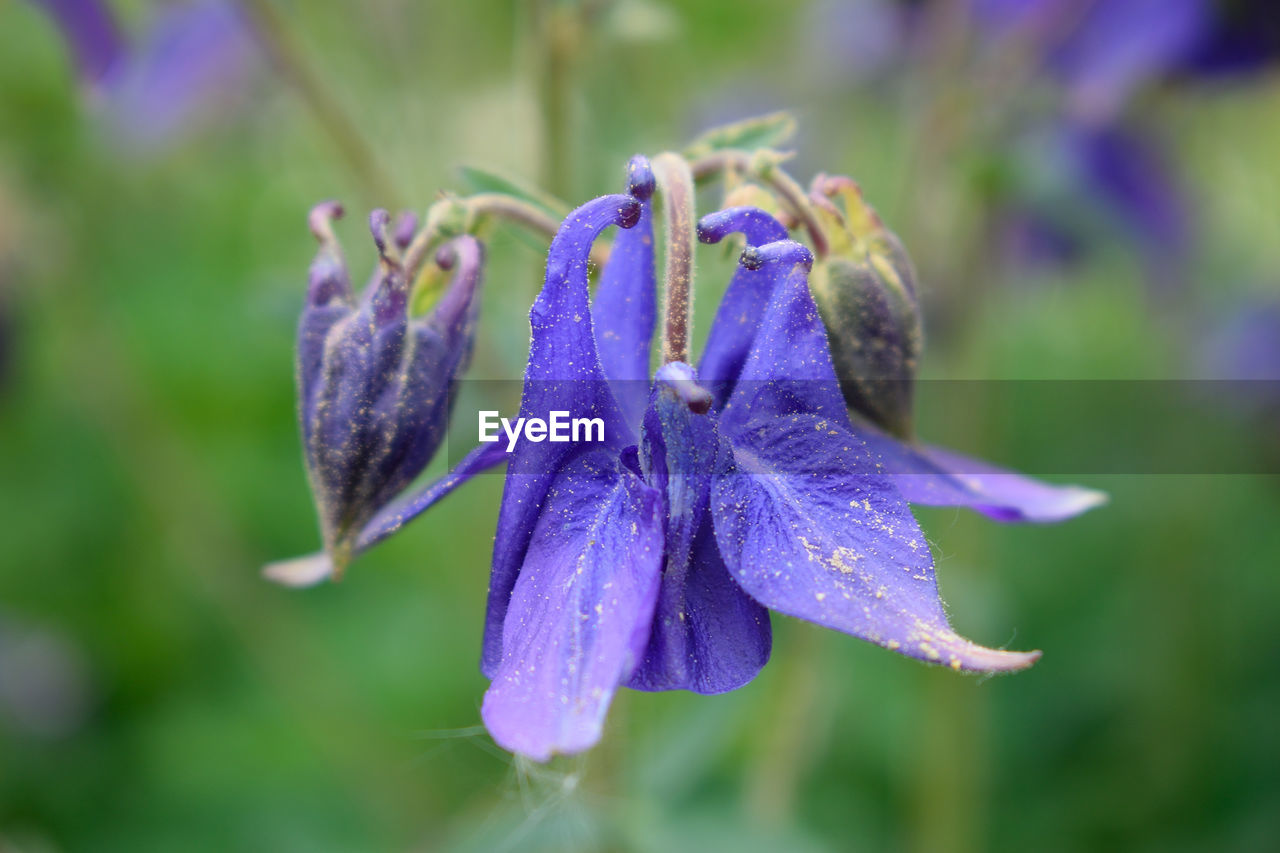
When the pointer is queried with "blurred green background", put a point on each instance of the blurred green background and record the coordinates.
(156, 694)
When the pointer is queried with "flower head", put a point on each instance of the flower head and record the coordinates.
(374, 385)
(651, 559)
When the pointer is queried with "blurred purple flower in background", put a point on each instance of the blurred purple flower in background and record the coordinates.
(1242, 347)
(1246, 344)
(194, 62)
(1099, 56)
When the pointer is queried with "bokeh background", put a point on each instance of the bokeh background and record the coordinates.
(1091, 192)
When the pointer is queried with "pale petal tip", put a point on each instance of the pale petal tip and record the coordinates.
(300, 572)
(947, 648)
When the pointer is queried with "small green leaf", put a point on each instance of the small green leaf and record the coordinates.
(767, 131)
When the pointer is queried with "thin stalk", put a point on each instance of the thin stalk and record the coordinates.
(675, 183)
(284, 54)
(455, 215)
(560, 34)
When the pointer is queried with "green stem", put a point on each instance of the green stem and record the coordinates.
(559, 34)
(284, 54)
(451, 216)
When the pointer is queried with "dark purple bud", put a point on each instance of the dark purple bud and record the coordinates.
(865, 290)
(640, 182)
(406, 227)
(373, 382)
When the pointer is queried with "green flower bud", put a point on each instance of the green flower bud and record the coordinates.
(865, 289)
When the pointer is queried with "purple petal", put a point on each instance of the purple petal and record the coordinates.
(91, 33)
(808, 528)
(580, 612)
(708, 635)
(354, 404)
(738, 317)
(625, 306)
(315, 568)
(328, 302)
(935, 477)
(564, 373)
(394, 516)
(418, 407)
(789, 368)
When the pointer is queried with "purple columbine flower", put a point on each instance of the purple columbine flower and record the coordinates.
(650, 559)
(374, 391)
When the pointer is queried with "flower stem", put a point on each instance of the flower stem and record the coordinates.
(451, 216)
(675, 182)
(328, 112)
(560, 36)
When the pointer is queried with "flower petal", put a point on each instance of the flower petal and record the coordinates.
(789, 367)
(708, 635)
(580, 611)
(421, 402)
(564, 373)
(394, 516)
(625, 306)
(738, 317)
(808, 528)
(935, 477)
(328, 301)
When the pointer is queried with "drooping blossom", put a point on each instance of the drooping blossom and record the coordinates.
(651, 558)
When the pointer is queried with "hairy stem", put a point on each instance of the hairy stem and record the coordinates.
(675, 183)
(453, 215)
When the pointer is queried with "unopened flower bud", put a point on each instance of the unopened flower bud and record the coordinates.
(373, 382)
(865, 289)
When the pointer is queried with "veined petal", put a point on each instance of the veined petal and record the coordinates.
(935, 477)
(625, 306)
(808, 528)
(564, 374)
(738, 317)
(580, 611)
(708, 635)
(789, 367)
